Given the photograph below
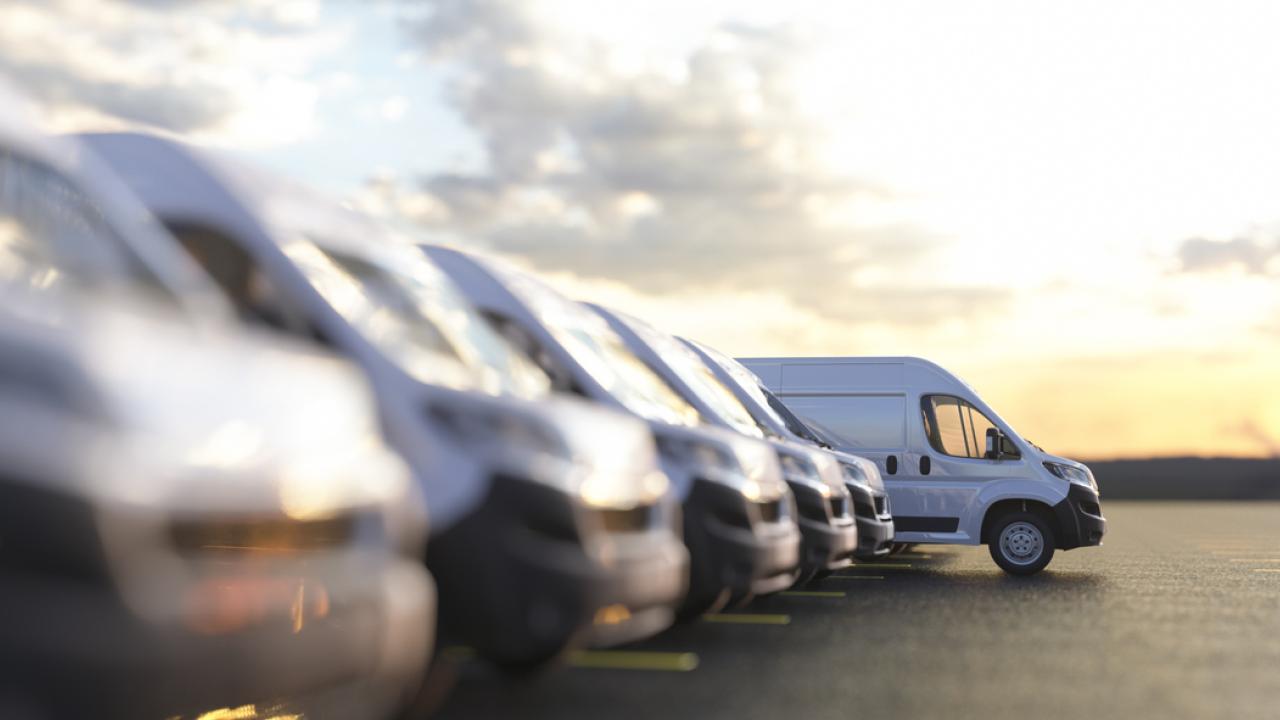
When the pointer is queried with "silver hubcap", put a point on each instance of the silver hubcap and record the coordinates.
(1021, 543)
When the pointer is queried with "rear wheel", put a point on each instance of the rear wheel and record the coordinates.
(1021, 543)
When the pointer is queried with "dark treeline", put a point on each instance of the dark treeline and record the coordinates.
(1188, 478)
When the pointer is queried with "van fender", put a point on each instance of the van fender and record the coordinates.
(1008, 489)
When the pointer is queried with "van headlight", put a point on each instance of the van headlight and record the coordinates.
(854, 475)
(1072, 474)
(799, 470)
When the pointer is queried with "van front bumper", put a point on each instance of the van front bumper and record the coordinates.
(736, 545)
(533, 573)
(1080, 518)
(643, 579)
(875, 524)
(828, 541)
(79, 651)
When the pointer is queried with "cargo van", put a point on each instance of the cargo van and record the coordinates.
(739, 516)
(956, 472)
(828, 528)
(552, 524)
(871, 506)
(185, 506)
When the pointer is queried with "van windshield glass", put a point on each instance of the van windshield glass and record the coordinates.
(415, 315)
(761, 399)
(601, 353)
(694, 373)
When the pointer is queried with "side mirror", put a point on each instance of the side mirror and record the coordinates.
(995, 444)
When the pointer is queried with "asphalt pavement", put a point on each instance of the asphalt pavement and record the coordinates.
(1176, 616)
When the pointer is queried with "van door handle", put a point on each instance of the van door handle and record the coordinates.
(925, 464)
(891, 464)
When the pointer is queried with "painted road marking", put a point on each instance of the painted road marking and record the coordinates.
(458, 653)
(855, 577)
(898, 566)
(813, 593)
(634, 660)
(1267, 570)
(1266, 560)
(747, 619)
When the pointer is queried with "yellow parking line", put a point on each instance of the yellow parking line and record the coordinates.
(1267, 570)
(855, 577)
(458, 653)
(813, 593)
(747, 619)
(900, 566)
(634, 660)
(1266, 560)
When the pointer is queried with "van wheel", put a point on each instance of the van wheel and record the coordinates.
(1021, 543)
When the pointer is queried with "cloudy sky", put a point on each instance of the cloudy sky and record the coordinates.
(1076, 206)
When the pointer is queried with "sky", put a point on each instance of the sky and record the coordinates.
(1074, 206)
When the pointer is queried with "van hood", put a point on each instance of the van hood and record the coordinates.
(1064, 461)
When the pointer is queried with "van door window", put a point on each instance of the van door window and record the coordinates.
(955, 427)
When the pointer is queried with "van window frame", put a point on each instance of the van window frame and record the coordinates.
(976, 451)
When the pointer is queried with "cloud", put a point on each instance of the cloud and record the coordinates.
(230, 72)
(668, 169)
(1253, 255)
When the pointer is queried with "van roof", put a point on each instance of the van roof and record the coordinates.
(853, 359)
(184, 182)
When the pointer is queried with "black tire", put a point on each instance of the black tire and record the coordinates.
(697, 604)
(1021, 543)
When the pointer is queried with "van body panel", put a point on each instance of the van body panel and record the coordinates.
(875, 407)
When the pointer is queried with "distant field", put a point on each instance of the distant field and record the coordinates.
(1188, 479)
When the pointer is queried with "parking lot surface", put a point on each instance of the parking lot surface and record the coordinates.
(1176, 616)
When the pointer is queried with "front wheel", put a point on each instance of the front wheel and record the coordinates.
(1021, 543)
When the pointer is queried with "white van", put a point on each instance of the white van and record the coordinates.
(551, 520)
(829, 531)
(956, 472)
(862, 477)
(182, 503)
(739, 518)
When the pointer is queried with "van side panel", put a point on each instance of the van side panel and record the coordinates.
(861, 422)
(769, 373)
(839, 377)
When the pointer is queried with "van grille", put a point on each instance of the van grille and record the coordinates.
(882, 504)
(637, 519)
(262, 534)
(839, 508)
(863, 509)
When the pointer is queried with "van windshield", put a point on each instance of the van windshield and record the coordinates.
(414, 315)
(763, 401)
(601, 353)
(694, 373)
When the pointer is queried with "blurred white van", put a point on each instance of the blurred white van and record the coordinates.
(955, 471)
(193, 517)
(551, 522)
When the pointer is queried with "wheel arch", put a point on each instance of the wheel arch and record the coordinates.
(1010, 505)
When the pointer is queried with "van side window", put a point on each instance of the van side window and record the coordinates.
(254, 294)
(954, 426)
